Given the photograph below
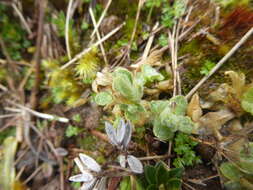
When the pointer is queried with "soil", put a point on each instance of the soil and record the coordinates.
(201, 172)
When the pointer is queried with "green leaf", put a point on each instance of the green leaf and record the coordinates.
(158, 106)
(84, 25)
(133, 112)
(124, 84)
(167, 16)
(207, 67)
(176, 173)
(103, 98)
(161, 174)
(177, 122)
(230, 171)
(174, 184)
(178, 163)
(139, 185)
(150, 74)
(152, 187)
(149, 174)
(170, 117)
(178, 105)
(247, 164)
(185, 124)
(171, 120)
(184, 149)
(246, 158)
(247, 101)
(125, 184)
(152, 3)
(163, 40)
(231, 185)
(161, 131)
(72, 131)
(77, 118)
(124, 73)
(179, 8)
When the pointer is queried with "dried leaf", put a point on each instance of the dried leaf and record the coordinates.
(165, 85)
(61, 151)
(90, 163)
(80, 165)
(120, 131)
(103, 78)
(122, 160)
(128, 134)
(213, 121)
(89, 185)
(135, 164)
(194, 110)
(235, 125)
(84, 177)
(110, 131)
(102, 184)
(238, 82)
(47, 170)
(154, 59)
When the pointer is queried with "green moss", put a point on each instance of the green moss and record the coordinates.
(88, 66)
(63, 84)
(13, 35)
(88, 143)
(192, 47)
(124, 8)
(3, 74)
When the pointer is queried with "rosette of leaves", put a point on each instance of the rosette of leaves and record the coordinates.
(170, 117)
(161, 177)
(120, 137)
(127, 92)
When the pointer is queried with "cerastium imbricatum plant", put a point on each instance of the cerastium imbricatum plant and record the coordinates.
(120, 137)
(92, 175)
(90, 171)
